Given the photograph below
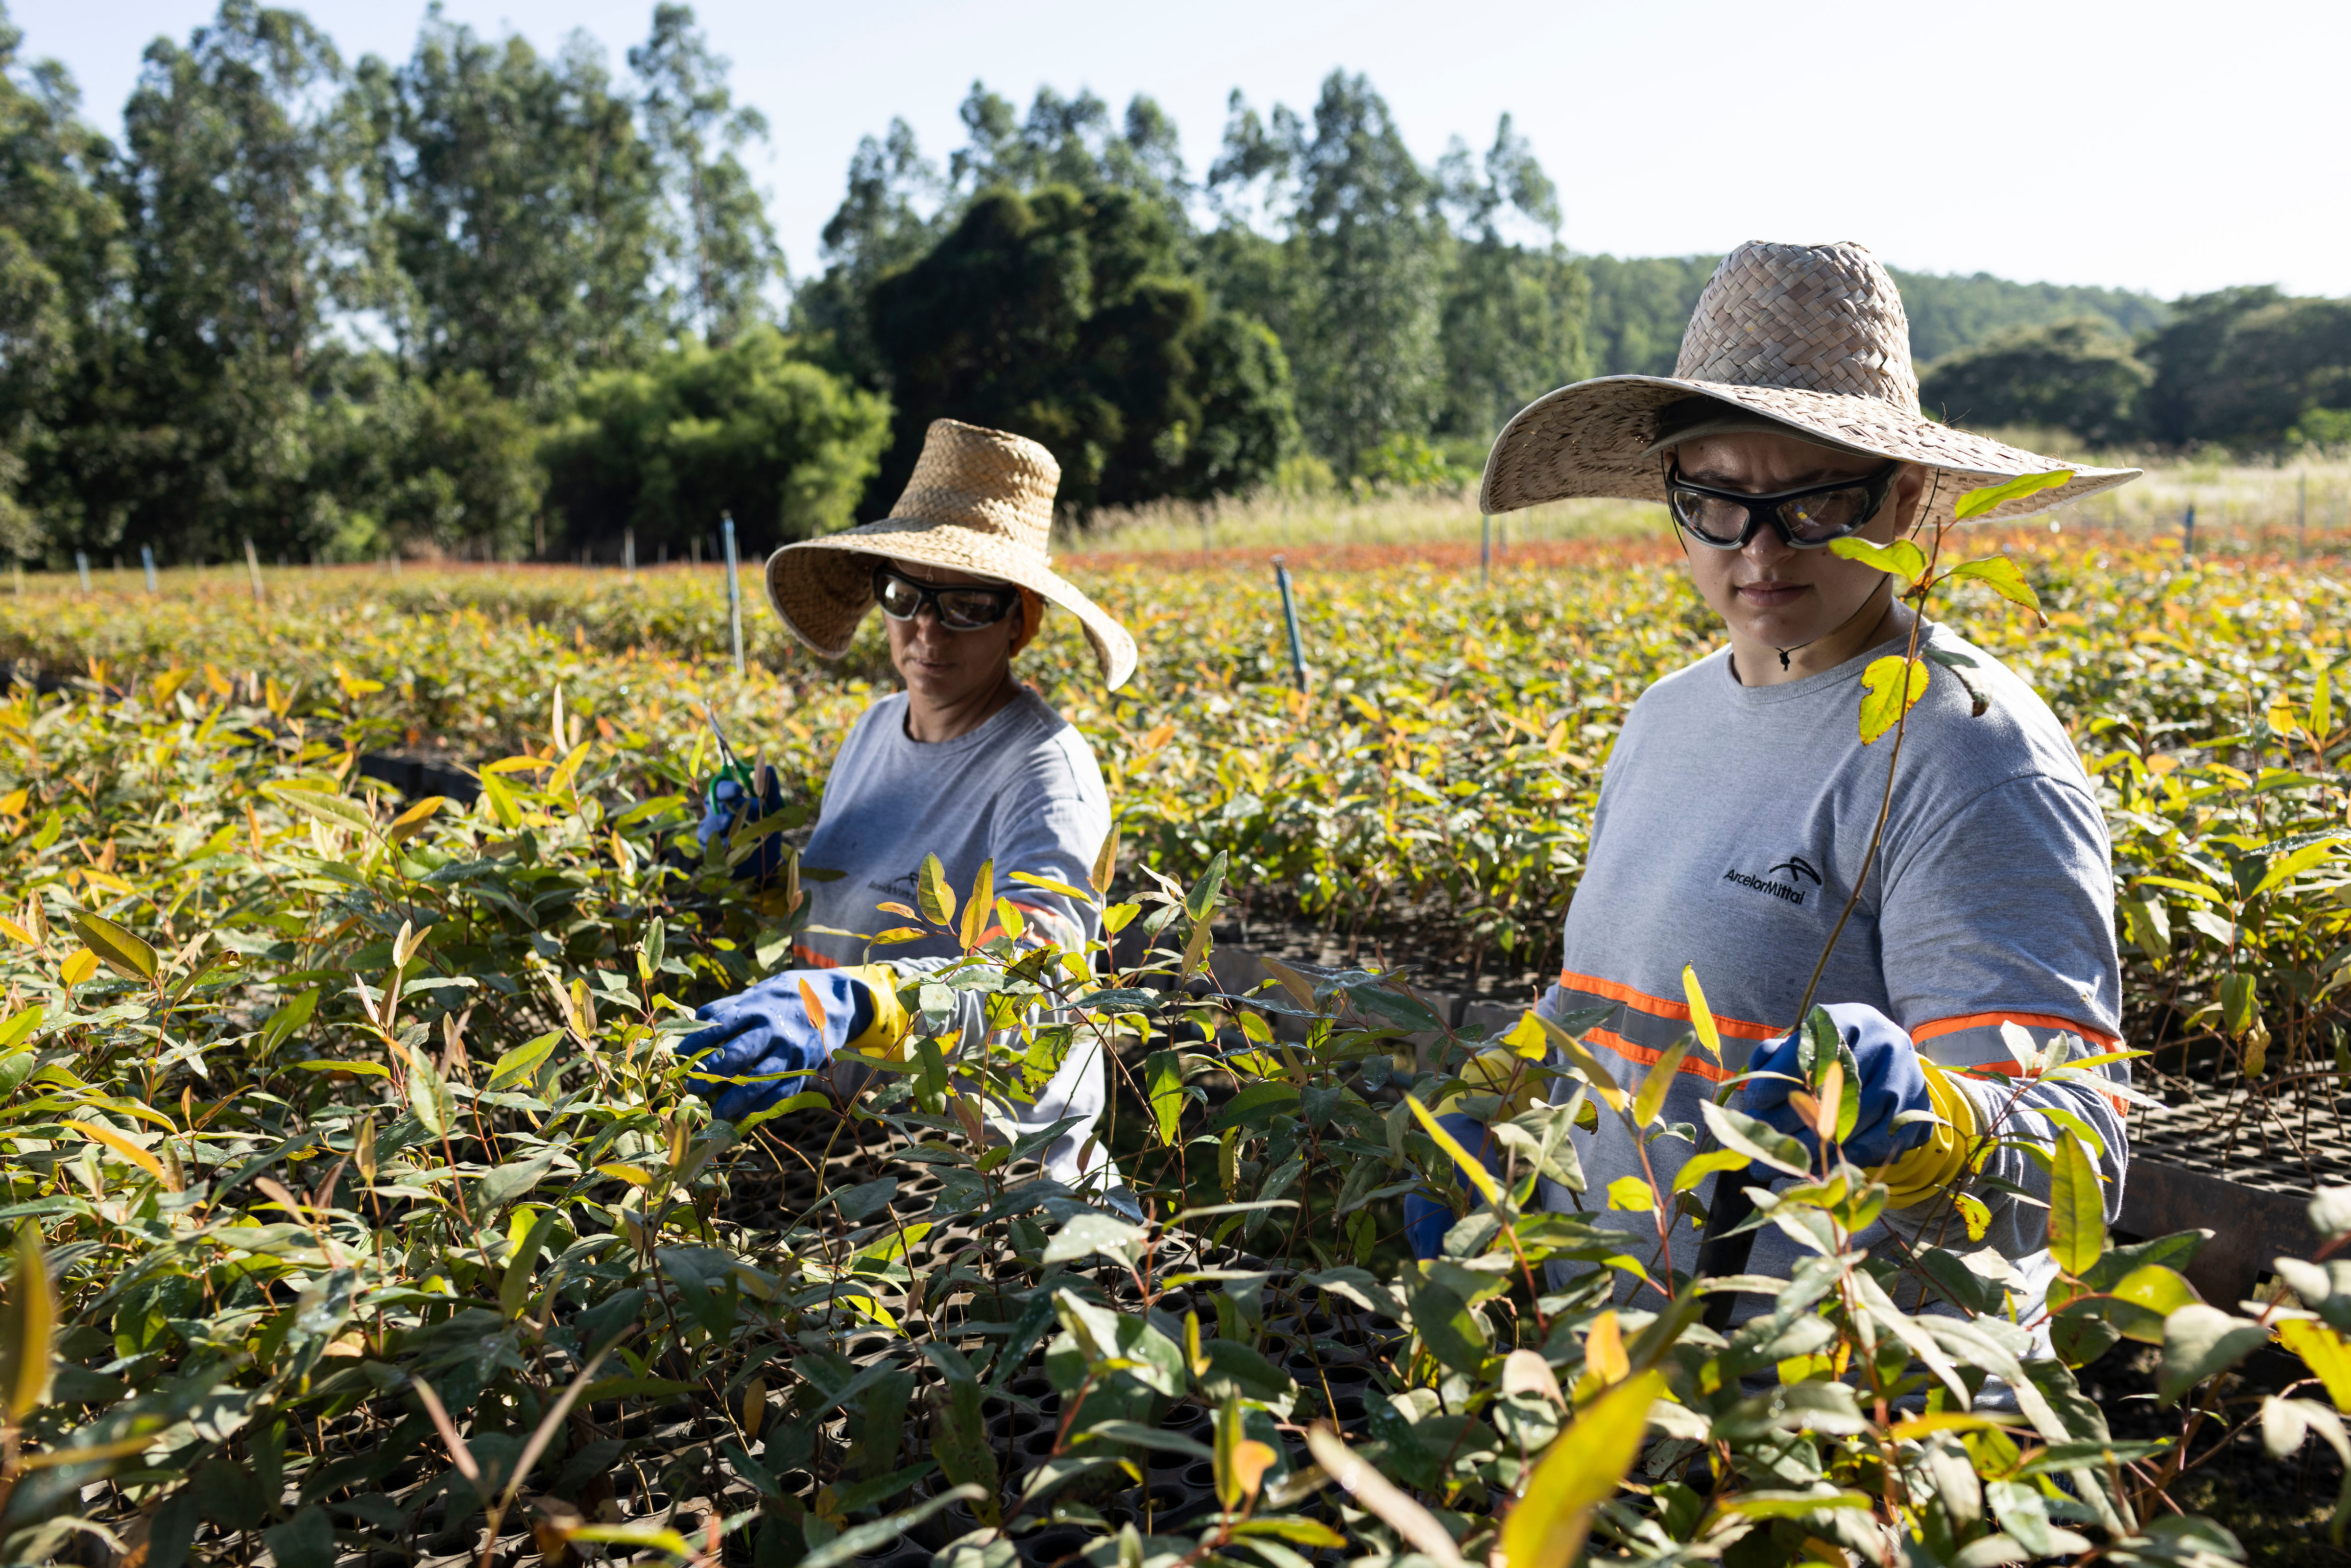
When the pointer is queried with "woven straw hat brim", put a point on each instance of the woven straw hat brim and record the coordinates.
(1587, 440)
(823, 587)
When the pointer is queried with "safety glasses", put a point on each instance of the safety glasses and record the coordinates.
(1808, 519)
(960, 606)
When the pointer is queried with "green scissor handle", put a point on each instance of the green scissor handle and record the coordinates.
(729, 764)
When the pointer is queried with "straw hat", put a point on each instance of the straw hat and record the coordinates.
(980, 501)
(1809, 340)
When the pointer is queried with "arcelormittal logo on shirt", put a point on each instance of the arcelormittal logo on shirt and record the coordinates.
(1784, 881)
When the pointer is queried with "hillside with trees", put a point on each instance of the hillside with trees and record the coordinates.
(492, 302)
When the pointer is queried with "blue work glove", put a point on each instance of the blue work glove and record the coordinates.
(1425, 1220)
(767, 1030)
(1891, 1083)
(726, 805)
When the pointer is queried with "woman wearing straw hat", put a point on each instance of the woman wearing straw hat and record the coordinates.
(1738, 805)
(967, 763)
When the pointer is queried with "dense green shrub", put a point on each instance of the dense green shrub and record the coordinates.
(749, 429)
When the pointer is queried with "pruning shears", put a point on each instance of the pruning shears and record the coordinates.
(730, 766)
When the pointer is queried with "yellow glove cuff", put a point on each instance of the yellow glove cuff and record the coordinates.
(1934, 1164)
(1490, 1073)
(886, 1035)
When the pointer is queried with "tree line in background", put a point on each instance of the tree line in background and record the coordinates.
(492, 302)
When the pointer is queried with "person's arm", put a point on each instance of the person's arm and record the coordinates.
(2004, 916)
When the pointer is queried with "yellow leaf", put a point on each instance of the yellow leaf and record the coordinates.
(1632, 1193)
(411, 822)
(1604, 1350)
(635, 1175)
(1581, 1469)
(2325, 1352)
(1884, 701)
(16, 931)
(977, 907)
(1251, 1459)
(79, 966)
(12, 803)
(28, 1324)
(120, 1145)
(814, 1006)
(1471, 1166)
(1701, 1016)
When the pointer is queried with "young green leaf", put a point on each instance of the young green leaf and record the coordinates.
(124, 952)
(1202, 899)
(1901, 559)
(2077, 1207)
(1649, 1100)
(2201, 1341)
(286, 1019)
(1888, 692)
(2000, 574)
(1105, 862)
(1989, 497)
(932, 895)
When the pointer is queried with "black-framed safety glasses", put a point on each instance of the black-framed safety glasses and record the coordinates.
(960, 606)
(1809, 518)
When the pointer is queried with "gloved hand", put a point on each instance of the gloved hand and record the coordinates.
(1494, 1071)
(767, 1030)
(1425, 1220)
(1893, 1080)
(726, 805)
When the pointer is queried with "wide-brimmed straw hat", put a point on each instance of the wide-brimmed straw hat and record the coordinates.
(979, 501)
(1810, 341)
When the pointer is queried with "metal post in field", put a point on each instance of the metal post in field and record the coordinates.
(147, 561)
(82, 565)
(629, 551)
(1485, 548)
(253, 568)
(2187, 531)
(1289, 620)
(2301, 513)
(734, 592)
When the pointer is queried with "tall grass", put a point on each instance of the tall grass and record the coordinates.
(2241, 508)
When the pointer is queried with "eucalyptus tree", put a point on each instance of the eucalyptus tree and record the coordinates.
(238, 198)
(720, 242)
(521, 211)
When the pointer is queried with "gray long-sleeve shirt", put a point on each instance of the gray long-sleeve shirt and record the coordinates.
(1730, 823)
(1022, 791)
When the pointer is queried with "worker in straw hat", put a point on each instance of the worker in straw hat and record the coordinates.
(967, 763)
(1739, 803)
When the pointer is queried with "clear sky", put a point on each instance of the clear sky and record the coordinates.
(2163, 146)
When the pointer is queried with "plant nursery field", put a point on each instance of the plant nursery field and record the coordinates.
(360, 1215)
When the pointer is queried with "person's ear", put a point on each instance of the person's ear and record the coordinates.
(1908, 485)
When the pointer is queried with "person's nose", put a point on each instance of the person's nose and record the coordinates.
(1766, 548)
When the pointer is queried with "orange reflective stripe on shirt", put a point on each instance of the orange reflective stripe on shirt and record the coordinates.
(1927, 1031)
(1643, 1056)
(1659, 1006)
(2010, 1067)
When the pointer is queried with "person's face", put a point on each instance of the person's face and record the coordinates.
(1768, 593)
(942, 667)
